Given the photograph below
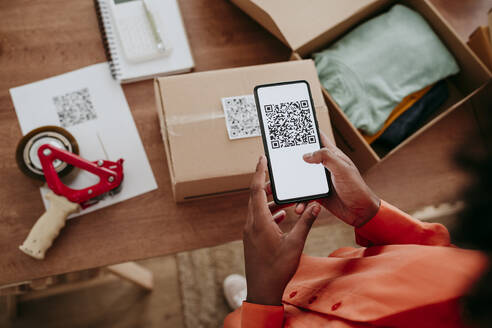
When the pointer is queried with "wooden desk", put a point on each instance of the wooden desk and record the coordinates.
(44, 38)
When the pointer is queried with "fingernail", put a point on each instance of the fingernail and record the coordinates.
(279, 216)
(315, 210)
(307, 155)
(298, 206)
(279, 219)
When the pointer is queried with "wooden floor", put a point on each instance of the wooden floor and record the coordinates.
(117, 304)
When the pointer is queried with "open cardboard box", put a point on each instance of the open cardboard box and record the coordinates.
(314, 26)
(202, 160)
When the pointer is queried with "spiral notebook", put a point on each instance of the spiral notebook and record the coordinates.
(116, 37)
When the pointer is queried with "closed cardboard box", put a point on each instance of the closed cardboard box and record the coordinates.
(202, 160)
(307, 27)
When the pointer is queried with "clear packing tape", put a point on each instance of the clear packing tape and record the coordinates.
(177, 120)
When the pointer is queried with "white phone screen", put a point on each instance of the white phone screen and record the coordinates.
(289, 131)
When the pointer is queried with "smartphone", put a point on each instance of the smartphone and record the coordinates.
(289, 130)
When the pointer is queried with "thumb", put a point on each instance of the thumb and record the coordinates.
(330, 156)
(302, 227)
(322, 156)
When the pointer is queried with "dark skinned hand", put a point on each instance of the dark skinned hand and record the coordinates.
(351, 200)
(271, 256)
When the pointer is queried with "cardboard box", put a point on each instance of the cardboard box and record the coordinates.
(479, 42)
(202, 160)
(310, 28)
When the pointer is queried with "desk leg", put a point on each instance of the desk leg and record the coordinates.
(134, 273)
(11, 306)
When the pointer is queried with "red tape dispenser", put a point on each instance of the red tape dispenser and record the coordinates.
(47, 153)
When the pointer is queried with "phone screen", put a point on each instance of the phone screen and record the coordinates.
(289, 130)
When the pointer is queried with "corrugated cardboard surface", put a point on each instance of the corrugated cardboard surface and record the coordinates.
(202, 159)
(479, 42)
(299, 23)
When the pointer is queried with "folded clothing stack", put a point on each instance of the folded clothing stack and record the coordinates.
(409, 121)
(385, 74)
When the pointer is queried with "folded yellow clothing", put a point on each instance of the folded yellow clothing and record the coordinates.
(401, 108)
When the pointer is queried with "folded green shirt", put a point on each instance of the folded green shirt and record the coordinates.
(370, 70)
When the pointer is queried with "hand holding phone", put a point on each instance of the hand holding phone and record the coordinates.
(351, 199)
(300, 170)
(271, 255)
(289, 130)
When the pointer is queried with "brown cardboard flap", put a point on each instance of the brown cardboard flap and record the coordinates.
(473, 72)
(479, 42)
(261, 16)
(298, 23)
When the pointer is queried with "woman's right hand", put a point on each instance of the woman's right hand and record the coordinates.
(350, 199)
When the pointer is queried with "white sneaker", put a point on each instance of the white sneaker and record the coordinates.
(235, 290)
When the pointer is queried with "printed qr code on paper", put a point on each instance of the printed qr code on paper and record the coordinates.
(290, 124)
(241, 117)
(74, 107)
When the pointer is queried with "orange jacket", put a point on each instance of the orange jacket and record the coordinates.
(408, 275)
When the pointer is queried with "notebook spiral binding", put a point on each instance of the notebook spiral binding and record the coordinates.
(108, 36)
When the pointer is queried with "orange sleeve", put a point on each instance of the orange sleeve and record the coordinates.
(393, 226)
(261, 316)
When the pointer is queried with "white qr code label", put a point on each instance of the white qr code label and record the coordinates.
(74, 108)
(290, 124)
(241, 117)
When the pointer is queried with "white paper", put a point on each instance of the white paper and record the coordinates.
(112, 131)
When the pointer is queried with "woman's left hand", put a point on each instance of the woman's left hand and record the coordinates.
(271, 255)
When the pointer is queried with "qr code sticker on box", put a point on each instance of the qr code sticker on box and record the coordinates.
(290, 124)
(241, 117)
(74, 107)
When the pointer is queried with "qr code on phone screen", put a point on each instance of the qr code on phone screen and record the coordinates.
(74, 107)
(290, 124)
